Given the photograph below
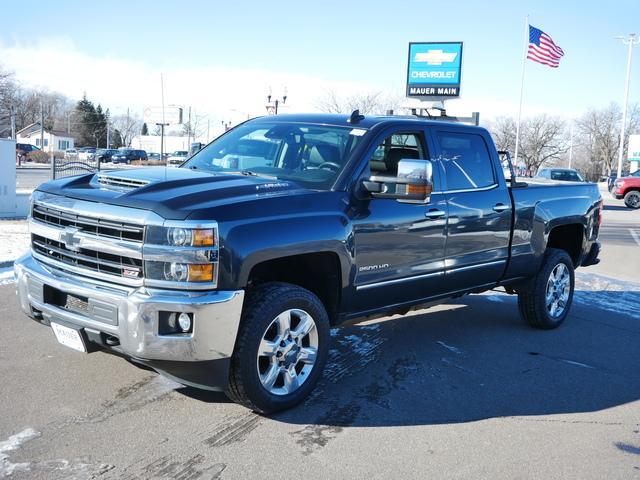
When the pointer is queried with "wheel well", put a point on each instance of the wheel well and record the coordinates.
(317, 272)
(567, 238)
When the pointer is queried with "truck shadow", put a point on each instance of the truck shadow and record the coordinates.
(475, 359)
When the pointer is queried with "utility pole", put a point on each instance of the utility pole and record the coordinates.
(13, 122)
(41, 127)
(208, 125)
(128, 139)
(571, 144)
(189, 132)
(631, 41)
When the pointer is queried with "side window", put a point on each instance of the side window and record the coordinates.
(391, 150)
(466, 161)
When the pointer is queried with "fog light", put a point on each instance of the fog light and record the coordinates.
(184, 320)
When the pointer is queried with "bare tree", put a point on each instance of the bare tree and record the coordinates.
(543, 139)
(503, 130)
(368, 103)
(598, 136)
(128, 126)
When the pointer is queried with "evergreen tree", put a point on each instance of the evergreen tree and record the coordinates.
(145, 129)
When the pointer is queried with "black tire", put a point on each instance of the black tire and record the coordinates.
(532, 300)
(632, 199)
(262, 305)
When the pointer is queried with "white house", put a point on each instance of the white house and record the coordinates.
(53, 140)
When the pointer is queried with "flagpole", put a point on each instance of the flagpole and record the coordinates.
(524, 63)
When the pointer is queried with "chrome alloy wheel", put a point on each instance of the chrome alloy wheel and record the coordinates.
(287, 352)
(558, 290)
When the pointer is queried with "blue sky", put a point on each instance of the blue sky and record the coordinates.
(338, 44)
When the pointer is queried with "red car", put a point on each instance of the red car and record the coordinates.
(629, 189)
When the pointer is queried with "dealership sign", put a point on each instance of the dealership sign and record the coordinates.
(167, 115)
(434, 69)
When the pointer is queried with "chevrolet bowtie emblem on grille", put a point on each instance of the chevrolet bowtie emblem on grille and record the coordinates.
(68, 237)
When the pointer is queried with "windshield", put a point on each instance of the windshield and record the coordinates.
(312, 155)
(180, 154)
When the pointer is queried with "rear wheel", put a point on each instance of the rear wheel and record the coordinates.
(632, 199)
(546, 300)
(281, 348)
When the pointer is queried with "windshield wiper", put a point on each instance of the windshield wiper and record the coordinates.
(251, 173)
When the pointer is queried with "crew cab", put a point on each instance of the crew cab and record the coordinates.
(228, 272)
(628, 188)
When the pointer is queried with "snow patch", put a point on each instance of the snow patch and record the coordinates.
(14, 239)
(6, 276)
(357, 344)
(608, 293)
(449, 347)
(14, 442)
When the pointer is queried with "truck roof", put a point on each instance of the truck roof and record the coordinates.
(369, 121)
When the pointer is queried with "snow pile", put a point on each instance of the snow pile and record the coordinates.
(14, 239)
(14, 442)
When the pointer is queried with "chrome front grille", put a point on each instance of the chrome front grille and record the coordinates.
(92, 260)
(98, 226)
(99, 241)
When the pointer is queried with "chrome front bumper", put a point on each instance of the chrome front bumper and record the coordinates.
(132, 313)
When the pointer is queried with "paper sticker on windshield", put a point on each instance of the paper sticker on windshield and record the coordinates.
(358, 132)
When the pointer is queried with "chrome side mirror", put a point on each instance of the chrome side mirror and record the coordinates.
(414, 182)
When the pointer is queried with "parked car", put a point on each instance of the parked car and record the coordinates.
(154, 157)
(23, 150)
(84, 152)
(104, 154)
(128, 155)
(231, 279)
(628, 188)
(178, 157)
(71, 154)
(560, 174)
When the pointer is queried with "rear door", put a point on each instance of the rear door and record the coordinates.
(399, 246)
(479, 208)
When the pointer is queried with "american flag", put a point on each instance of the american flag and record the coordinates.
(542, 49)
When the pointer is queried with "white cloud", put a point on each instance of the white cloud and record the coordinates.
(221, 92)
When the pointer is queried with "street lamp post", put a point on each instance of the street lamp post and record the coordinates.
(631, 40)
(274, 106)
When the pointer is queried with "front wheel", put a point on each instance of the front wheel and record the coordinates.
(281, 348)
(546, 299)
(632, 199)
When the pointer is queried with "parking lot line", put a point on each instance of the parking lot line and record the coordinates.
(635, 236)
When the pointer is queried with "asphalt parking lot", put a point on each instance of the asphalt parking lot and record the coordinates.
(464, 389)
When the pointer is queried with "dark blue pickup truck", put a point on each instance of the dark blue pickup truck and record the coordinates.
(228, 272)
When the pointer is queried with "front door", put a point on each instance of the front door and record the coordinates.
(399, 246)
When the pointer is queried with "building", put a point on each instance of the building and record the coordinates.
(53, 140)
(172, 143)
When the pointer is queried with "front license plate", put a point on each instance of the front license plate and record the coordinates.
(68, 337)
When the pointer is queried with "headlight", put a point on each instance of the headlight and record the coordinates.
(180, 272)
(181, 236)
(182, 255)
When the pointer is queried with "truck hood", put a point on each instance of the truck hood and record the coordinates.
(173, 193)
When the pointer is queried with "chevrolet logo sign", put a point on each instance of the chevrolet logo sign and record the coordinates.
(70, 240)
(435, 57)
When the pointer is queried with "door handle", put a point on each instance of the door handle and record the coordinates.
(500, 207)
(434, 213)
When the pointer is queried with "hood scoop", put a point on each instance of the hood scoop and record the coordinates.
(114, 182)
